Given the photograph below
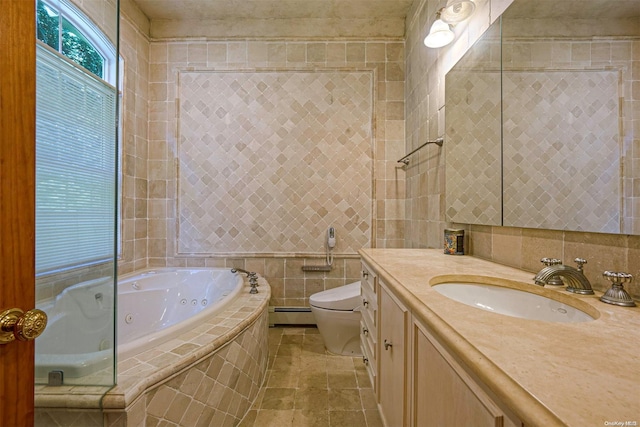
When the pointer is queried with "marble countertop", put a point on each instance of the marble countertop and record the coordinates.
(575, 374)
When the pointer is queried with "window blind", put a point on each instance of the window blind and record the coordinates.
(75, 165)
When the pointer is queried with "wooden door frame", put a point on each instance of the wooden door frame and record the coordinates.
(17, 201)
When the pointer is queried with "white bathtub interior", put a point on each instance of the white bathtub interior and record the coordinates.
(152, 307)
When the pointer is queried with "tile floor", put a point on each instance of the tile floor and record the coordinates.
(307, 387)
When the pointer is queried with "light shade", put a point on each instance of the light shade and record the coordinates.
(457, 11)
(439, 35)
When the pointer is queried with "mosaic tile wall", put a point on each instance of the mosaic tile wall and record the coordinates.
(561, 154)
(269, 160)
(474, 160)
(612, 95)
(382, 61)
(549, 116)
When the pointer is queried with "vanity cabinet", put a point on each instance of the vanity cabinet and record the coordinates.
(394, 366)
(417, 380)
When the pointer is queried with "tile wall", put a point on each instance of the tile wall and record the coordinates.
(134, 50)
(267, 161)
(381, 66)
(518, 247)
(150, 181)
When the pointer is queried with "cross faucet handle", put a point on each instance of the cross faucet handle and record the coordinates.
(550, 261)
(581, 262)
(617, 277)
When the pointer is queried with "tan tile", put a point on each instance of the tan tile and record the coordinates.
(304, 418)
(507, 246)
(538, 244)
(373, 418)
(282, 379)
(344, 400)
(312, 399)
(278, 398)
(292, 339)
(346, 418)
(315, 380)
(356, 52)
(289, 350)
(368, 399)
(364, 381)
(249, 419)
(602, 252)
(342, 379)
(339, 363)
(314, 362)
(316, 52)
(273, 418)
(375, 52)
(286, 363)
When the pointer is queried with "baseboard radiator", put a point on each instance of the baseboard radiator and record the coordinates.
(291, 316)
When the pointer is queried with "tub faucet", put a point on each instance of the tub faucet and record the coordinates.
(576, 281)
(248, 273)
(253, 278)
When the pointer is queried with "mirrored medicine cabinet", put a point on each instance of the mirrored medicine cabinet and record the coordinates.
(540, 118)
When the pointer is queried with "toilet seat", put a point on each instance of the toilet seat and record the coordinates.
(343, 298)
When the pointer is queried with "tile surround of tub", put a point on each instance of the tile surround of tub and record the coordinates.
(210, 375)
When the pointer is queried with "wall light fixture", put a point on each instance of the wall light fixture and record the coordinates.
(441, 33)
(457, 11)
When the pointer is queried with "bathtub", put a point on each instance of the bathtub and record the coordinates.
(212, 335)
(153, 307)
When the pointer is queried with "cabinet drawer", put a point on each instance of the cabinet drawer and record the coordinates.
(369, 362)
(369, 308)
(368, 340)
(368, 279)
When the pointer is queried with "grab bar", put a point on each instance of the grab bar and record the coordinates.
(405, 159)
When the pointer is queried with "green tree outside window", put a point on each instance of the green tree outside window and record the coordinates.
(74, 46)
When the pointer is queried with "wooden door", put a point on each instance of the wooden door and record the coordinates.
(17, 201)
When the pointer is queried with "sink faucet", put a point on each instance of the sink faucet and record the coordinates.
(576, 281)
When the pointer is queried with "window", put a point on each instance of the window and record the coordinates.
(76, 140)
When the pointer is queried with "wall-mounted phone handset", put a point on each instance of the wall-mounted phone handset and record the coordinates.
(331, 237)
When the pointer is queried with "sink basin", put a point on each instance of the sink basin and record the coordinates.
(512, 302)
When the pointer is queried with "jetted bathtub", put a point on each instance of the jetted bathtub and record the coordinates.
(153, 307)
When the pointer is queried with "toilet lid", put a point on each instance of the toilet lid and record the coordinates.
(345, 298)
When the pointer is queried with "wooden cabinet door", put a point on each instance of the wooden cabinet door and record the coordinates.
(394, 321)
(443, 394)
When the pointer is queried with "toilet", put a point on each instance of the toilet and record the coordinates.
(337, 314)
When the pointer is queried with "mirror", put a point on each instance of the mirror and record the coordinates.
(539, 120)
